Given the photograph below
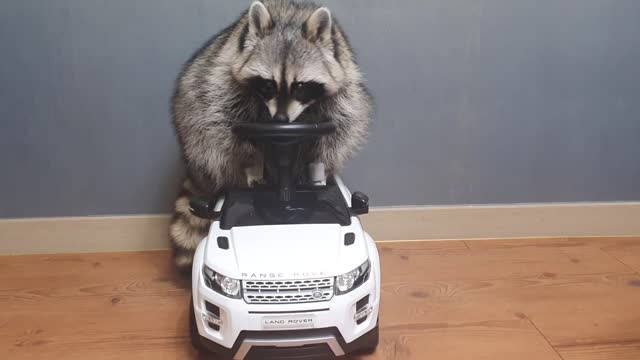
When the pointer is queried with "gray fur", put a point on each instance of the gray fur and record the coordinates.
(289, 41)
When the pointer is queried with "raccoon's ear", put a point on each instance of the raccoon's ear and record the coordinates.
(318, 26)
(259, 19)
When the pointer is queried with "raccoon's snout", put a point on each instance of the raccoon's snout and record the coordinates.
(281, 117)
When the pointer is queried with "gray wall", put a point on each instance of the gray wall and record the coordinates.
(480, 101)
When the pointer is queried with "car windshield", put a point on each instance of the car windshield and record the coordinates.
(259, 206)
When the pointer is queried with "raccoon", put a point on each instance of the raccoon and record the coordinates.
(279, 61)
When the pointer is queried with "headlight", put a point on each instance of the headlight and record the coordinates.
(352, 279)
(222, 284)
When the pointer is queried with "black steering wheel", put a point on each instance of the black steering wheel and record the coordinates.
(282, 132)
(283, 140)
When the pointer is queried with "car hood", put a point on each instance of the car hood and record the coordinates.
(288, 252)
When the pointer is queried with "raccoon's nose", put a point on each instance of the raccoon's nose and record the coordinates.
(281, 117)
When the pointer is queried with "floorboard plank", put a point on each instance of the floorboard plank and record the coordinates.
(627, 250)
(493, 300)
(611, 351)
(503, 340)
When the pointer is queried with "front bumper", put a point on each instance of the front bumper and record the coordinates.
(311, 344)
(243, 328)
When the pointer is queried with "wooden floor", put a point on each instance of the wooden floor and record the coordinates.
(571, 299)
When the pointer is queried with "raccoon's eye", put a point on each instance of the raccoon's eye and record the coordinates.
(307, 91)
(266, 88)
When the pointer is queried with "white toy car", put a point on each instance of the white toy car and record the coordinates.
(286, 272)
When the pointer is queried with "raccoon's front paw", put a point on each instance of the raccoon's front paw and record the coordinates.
(254, 177)
(253, 181)
(317, 174)
(255, 174)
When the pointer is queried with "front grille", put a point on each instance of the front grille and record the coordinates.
(287, 291)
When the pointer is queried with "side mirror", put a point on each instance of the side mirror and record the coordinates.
(203, 208)
(359, 203)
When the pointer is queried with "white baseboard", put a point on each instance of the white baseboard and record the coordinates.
(149, 232)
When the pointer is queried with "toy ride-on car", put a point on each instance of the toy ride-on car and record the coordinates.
(286, 271)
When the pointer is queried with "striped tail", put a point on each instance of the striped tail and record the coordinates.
(186, 230)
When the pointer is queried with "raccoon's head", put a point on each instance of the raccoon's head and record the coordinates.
(287, 58)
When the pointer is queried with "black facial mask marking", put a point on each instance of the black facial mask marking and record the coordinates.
(305, 92)
(265, 88)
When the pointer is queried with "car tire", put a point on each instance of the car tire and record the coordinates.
(193, 332)
(372, 343)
